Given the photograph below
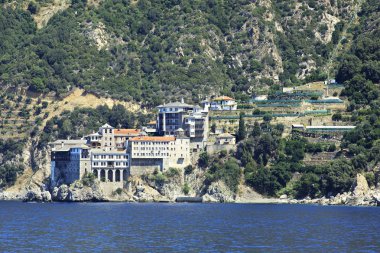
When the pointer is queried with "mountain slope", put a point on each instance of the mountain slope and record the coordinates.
(151, 51)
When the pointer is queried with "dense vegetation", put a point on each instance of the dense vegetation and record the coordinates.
(83, 121)
(10, 161)
(152, 51)
(274, 166)
(156, 51)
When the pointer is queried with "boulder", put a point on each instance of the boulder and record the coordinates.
(218, 192)
(283, 196)
(63, 193)
(55, 193)
(46, 196)
(376, 198)
(32, 195)
(78, 192)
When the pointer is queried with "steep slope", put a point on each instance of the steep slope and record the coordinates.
(151, 51)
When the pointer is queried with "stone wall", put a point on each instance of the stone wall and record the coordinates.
(140, 166)
(214, 148)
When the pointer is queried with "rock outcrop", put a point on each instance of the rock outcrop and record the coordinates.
(360, 194)
(78, 192)
(218, 192)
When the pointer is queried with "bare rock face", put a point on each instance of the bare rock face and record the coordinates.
(46, 196)
(36, 195)
(63, 193)
(33, 196)
(360, 187)
(78, 192)
(218, 192)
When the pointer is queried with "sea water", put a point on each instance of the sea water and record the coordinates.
(156, 227)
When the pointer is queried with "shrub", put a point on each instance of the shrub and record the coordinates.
(188, 169)
(331, 148)
(172, 172)
(186, 189)
(223, 153)
(203, 160)
(370, 177)
(88, 179)
(118, 191)
(308, 185)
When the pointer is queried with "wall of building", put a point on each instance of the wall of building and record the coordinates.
(140, 166)
(180, 155)
(212, 148)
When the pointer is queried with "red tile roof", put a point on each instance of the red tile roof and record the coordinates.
(153, 138)
(127, 131)
(222, 98)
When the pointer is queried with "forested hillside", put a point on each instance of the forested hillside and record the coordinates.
(151, 51)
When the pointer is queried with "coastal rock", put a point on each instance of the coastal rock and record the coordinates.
(140, 194)
(11, 196)
(63, 192)
(46, 196)
(33, 196)
(79, 192)
(54, 194)
(283, 196)
(376, 199)
(218, 192)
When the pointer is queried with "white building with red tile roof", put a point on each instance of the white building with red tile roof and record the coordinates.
(149, 153)
(222, 103)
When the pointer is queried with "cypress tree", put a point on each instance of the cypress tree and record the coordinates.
(242, 132)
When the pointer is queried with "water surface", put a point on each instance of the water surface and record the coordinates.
(151, 227)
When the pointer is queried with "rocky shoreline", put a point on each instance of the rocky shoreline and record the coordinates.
(360, 194)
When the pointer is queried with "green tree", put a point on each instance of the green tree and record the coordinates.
(203, 160)
(242, 132)
(256, 131)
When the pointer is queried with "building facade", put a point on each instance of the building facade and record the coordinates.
(193, 120)
(70, 161)
(110, 166)
(223, 103)
(150, 153)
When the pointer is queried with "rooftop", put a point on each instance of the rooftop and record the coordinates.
(69, 142)
(175, 104)
(222, 98)
(107, 126)
(225, 135)
(102, 151)
(152, 138)
(67, 148)
(127, 131)
(330, 127)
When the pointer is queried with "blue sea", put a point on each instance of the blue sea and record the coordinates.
(154, 227)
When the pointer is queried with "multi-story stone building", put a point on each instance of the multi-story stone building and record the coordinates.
(110, 138)
(114, 154)
(171, 117)
(70, 161)
(110, 166)
(192, 119)
(149, 153)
